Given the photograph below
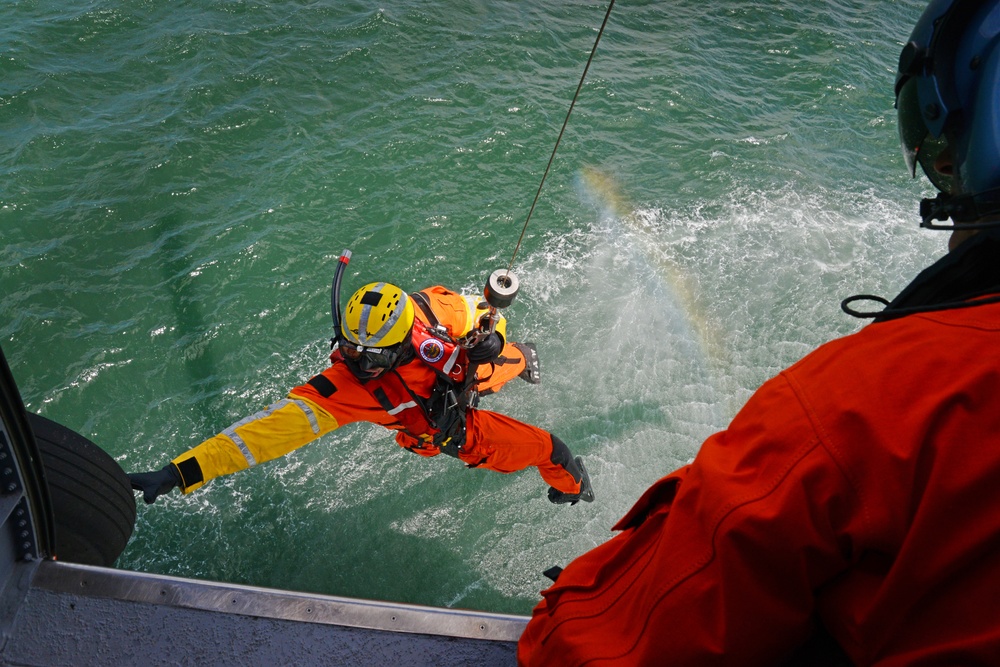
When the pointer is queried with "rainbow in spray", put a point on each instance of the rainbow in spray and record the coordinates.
(640, 226)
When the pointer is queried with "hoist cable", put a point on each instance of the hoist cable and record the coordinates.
(559, 138)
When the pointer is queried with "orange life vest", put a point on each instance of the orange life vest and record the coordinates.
(434, 346)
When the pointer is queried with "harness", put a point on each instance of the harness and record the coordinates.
(442, 414)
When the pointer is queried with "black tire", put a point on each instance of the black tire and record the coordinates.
(92, 499)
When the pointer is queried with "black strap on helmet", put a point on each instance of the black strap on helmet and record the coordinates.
(963, 209)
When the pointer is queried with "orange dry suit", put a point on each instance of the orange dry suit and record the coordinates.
(856, 491)
(425, 399)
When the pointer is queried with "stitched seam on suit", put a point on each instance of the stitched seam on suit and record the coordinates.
(828, 443)
(699, 564)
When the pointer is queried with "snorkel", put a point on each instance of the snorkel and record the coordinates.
(338, 277)
(340, 344)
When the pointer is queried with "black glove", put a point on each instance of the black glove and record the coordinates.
(155, 483)
(487, 349)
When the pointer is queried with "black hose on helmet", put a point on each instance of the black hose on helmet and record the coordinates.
(338, 277)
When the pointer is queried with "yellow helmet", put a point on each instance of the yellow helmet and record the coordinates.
(378, 315)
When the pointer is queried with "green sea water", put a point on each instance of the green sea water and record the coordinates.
(178, 178)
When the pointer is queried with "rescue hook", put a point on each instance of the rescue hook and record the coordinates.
(501, 288)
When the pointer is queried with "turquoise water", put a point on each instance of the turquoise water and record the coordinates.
(177, 180)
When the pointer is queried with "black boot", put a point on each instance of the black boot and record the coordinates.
(531, 372)
(586, 490)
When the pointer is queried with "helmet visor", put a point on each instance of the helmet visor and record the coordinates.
(918, 144)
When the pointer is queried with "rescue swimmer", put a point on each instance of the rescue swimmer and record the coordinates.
(414, 363)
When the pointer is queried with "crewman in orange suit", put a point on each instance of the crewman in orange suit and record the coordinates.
(850, 514)
(405, 362)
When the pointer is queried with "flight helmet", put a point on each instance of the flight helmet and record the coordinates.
(948, 98)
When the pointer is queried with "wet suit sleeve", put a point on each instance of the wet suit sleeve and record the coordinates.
(326, 402)
(717, 562)
(274, 431)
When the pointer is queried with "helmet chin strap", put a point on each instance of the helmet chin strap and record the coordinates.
(963, 209)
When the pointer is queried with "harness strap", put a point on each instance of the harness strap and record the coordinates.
(416, 399)
(443, 409)
(425, 307)
(383, 400)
